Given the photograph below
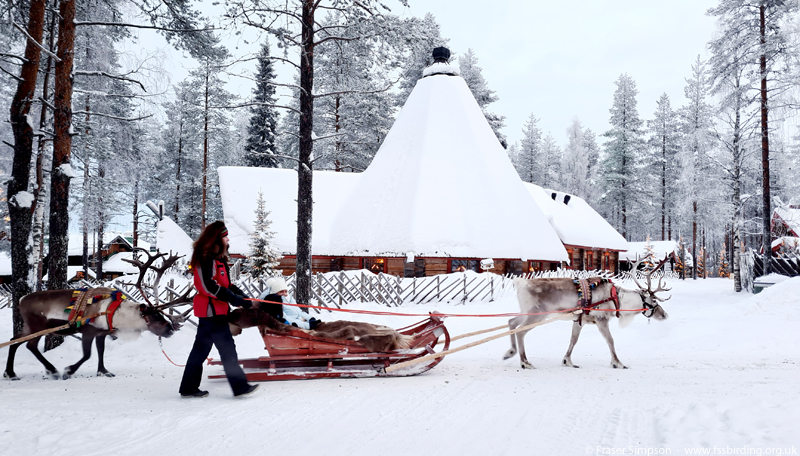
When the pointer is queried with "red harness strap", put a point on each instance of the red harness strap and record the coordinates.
(110, 312)
(587, 305)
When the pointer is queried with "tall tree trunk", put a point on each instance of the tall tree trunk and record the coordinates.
(304, 167)
(101, 224)
(18, 209)
(663, 185)
(737, 194)
(43, 160)
(62, 146)
(694, 240)
(205, 156)
(86, 194)
(767, 216)
(135, 217)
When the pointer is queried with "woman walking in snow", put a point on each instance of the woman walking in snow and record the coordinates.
(214, 292)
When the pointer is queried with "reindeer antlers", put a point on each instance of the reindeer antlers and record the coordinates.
(648, 277)
(166, 263)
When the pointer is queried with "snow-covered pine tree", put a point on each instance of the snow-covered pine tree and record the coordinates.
(473, 76)
(528, 160)
(664, 144)
(206, 81)
(575, 163)
(592, 168)
(696, 176)
(551, 163)
(263, 256)
(261, 148)
(423, 35)
(619, 171)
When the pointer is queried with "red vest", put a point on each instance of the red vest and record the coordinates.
(204, 299)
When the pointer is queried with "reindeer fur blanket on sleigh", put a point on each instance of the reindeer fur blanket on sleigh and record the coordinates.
(376, 338)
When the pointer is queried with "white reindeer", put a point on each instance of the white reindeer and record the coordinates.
(538, 296)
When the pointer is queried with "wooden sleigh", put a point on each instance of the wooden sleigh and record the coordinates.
(298, 355)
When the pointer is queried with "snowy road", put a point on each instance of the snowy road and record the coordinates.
(722, 371)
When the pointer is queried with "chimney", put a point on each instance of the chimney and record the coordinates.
(441, 55)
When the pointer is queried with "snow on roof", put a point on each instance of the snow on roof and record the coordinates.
(442, 185)
(790, 216)
(239, 187)
(5, 264)
(661, 249)
(171, 238)
(575, 221)
(75, 246)
(115, 264)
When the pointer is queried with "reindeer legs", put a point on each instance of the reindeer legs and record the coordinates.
(86, 341)
(602, 325)
(512, 325)
(518, 339)
(33, 347)
(9, 372)
(100, 341)
(576, 332)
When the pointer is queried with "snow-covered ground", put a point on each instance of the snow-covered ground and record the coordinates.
(721, 373)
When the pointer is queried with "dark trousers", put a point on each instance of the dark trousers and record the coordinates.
(213, 330)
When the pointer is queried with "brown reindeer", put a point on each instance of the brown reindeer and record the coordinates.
(46, 309)
(561, 294)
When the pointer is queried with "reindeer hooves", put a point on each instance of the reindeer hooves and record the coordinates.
(511, 352)
(105, 374)
(53, 374)
(11, 376)
(526, 365)
(568, 363)
(619, 366)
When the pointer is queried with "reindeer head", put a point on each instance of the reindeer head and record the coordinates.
(650, 301)
(156, 323)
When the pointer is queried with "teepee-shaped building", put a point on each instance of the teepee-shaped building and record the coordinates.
(442, 186)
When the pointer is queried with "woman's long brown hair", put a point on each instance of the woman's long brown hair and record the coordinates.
(209, 244)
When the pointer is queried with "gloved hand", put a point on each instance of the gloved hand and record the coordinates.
(313, 323)
(239, 301)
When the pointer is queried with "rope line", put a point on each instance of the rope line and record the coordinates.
(404, 314)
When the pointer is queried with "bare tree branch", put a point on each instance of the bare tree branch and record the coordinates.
(151, 27)
(108, 75)
(39, 45)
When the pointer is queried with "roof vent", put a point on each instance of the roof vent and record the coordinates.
(566, 199)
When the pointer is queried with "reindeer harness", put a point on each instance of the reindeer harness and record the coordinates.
(585, 287)
(83, 297)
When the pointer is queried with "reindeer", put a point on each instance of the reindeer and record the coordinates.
(561, 294)
(47, 309)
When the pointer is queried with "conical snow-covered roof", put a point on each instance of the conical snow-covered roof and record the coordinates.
(442, 185)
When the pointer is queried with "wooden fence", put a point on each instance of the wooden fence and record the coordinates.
(335, 289)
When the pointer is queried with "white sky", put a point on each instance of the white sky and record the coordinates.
(542, 57)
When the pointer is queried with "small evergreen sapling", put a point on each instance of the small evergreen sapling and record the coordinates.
(263, 255)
